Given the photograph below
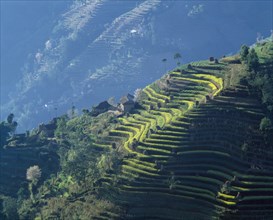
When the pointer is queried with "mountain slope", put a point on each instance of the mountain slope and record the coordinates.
(199, 153)
(195, 146)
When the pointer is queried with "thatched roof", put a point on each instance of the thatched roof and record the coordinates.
(103, 105)
(128, 98)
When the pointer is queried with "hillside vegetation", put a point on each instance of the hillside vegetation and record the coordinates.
(197, 145)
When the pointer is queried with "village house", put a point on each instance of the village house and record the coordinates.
(102, 107)
(127, 103)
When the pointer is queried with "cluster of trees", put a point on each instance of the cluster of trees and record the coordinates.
(7, 129)
(260, 82)
(176, 56)
(76, 189)
(82, 167)
(250, 57)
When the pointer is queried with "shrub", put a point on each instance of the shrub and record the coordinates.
(9, 207)
(244, 52)
(265, 124)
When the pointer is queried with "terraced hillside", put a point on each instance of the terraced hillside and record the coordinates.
(197, 144)
(193, 149)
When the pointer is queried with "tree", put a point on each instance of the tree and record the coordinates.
(267, 90)
(252, 60)
(7, 129)
(33, 175)
(73, 112)
(164, 60)
(177, 56)
(10, 118)
(12, 124)
(244, 52)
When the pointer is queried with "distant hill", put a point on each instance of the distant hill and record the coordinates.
(195, 144)
(84, 50)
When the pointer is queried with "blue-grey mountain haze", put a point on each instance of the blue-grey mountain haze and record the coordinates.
(55, 53)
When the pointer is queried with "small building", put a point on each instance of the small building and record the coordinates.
(101, 108)
(47, 130)
(211, 59)
(127, 103)
(126, 98)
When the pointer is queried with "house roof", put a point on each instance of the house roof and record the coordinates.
(103, 105)
(127, 98)
(129, 102)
